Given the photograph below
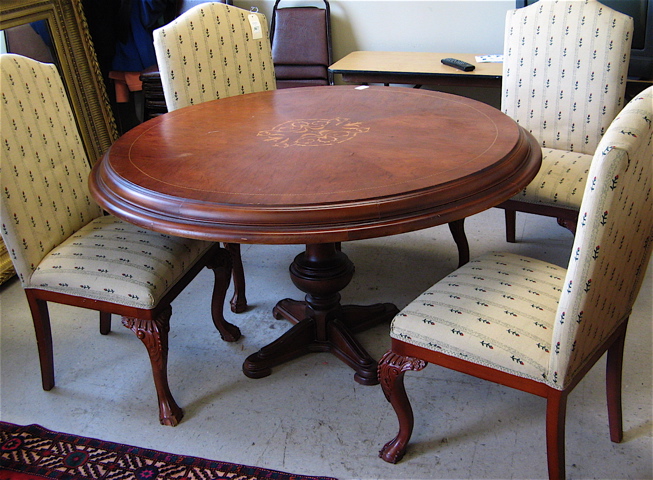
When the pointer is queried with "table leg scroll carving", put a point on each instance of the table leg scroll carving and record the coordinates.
(154, 335)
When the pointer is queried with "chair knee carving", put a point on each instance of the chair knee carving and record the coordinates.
(232, 57)
(534, 326)
(65, 250)
(564, 80)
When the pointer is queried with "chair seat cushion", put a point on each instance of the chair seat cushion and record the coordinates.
(497, 310)
(560, 181)
(115, 261)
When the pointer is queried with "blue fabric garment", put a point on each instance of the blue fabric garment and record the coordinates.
(41, 28)
(138, 52)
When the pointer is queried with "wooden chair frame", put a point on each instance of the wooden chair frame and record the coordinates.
(151, 326)
(566, 217)
(404, 357)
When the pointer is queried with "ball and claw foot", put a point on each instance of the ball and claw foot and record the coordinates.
(391, 452)
(170, 415)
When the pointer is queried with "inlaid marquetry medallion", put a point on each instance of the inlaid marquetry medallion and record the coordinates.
(312, 132)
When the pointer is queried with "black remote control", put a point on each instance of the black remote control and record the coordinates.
(459, 64)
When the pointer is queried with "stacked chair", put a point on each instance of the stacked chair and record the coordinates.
(301, 45)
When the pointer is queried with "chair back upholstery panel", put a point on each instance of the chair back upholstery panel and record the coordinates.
(211, 52)
(565, 69)
(613, 243)
(44, 168)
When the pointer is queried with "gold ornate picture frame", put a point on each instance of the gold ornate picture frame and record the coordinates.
(77, 63)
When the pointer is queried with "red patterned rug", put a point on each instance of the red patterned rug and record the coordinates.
(33, 453)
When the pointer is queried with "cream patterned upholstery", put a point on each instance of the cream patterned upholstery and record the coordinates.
(564, 78)
(498, 311)
(522, 315)
(55, 233)
(560, 181)
(66, 250)
(213, 51)
(613, 244)
(117, 262)
(534, 326)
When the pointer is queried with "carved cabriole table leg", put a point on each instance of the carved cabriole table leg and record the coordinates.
(154, 335)
(239, 300)
(221, 264)
(392, 368)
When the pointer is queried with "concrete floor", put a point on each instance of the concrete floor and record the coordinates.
(309, 416)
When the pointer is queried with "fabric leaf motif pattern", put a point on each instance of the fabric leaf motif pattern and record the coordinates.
(565, 85)
(196, 67)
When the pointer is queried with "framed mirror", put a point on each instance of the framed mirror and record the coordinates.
(63, 26)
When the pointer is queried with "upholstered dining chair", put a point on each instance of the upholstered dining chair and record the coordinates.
(213, 51)
(66, 251)
(564, 78)
(534, 326)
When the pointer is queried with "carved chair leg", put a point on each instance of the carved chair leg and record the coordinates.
(41, 320)
(221, 266)
(457, 229)
(154, 335)
(511, 225)
(392, 368)
(105, 323)
(238, 301)
(613, 388)
(556, 409)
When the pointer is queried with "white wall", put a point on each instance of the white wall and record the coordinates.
(449, 26)
(468, 26)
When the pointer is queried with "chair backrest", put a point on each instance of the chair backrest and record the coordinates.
(301, 45)
(565, 69)
(613, 243)
(213, 51)
(44, 168)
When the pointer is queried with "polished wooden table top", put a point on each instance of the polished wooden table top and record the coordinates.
(424, 68)
(314, 165)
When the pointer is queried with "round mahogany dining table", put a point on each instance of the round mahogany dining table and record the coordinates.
(316, 166)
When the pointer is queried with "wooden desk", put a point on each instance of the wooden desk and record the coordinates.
(316, 166)
(417, 68)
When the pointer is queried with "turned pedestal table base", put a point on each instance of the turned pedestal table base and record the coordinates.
(322, 324)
